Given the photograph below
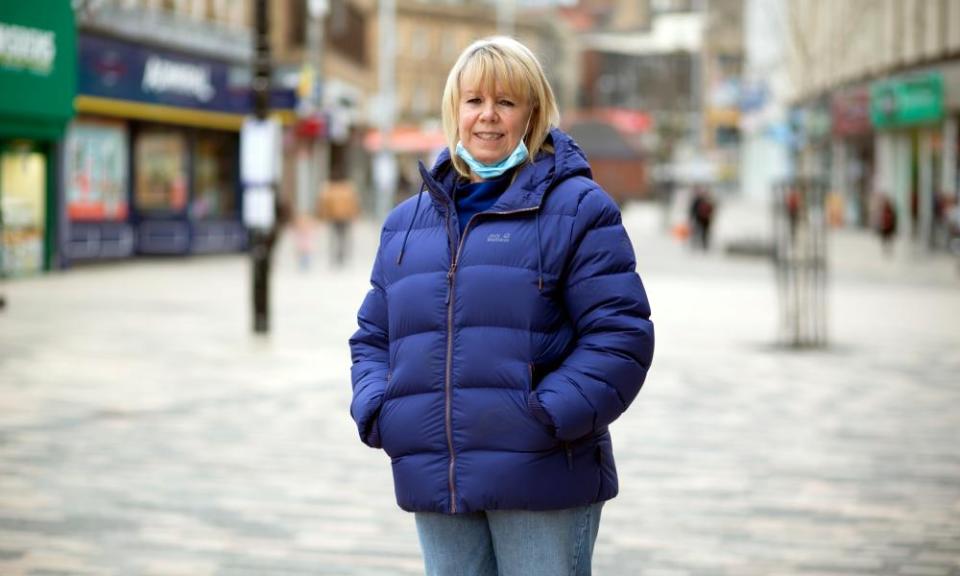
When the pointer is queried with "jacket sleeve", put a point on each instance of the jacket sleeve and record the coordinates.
(369, 350)
(608, 307)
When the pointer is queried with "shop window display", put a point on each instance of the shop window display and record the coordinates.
(214, 177)
(96, 179)
(161, 172)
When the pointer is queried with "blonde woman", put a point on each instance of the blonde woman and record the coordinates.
(506, 328)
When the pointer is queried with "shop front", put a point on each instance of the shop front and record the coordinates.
(853, 154)
(37, 85)
(153, 156)
(908, 114)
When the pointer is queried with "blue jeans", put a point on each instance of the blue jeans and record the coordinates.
(509, 542)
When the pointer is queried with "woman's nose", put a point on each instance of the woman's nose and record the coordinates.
(488, 112)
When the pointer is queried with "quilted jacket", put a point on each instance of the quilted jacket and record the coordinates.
(490, 361)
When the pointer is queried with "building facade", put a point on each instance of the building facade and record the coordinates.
(151, 162)
(876, 105)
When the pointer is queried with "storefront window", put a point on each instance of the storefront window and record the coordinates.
(161, 171)
(23, 182)
(214, 177)
(96, 171)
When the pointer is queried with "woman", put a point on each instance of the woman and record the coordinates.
(505, 330)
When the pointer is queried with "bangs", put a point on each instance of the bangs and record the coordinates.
(487, 69)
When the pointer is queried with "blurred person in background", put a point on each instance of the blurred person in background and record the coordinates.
(886, 223)
(506, 328)
(701, 217)
(952, 225)
(341, 207)
(793, 203)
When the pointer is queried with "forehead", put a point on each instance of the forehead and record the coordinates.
(492, 74)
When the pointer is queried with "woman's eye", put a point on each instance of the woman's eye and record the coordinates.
(506, 103)
(473, 101)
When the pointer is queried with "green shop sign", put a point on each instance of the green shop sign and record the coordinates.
(907, 101)
(38, 68)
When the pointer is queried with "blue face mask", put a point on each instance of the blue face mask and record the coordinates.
(487, 171)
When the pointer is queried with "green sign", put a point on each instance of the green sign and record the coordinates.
(907, 101)
(38, 68)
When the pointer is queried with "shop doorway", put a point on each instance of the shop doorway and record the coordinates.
(23, 207)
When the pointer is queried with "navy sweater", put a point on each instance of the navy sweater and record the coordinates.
(475, 197)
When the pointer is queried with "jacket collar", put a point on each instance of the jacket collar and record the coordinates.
(533, 181)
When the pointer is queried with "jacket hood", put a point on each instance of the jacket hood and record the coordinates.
(533, 181)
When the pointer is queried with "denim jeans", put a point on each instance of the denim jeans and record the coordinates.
(509, 542)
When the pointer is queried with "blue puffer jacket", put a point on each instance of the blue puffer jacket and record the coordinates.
(489, 364)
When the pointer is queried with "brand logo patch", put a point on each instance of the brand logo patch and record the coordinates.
(502, 238)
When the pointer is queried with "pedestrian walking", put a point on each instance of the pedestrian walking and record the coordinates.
(887, 224)
(701, 216)
(341, 207)
(506, 328)
(794, 203)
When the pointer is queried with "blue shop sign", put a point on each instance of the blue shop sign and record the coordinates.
(119, 70)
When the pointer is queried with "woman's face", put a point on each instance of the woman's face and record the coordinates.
(491, 124)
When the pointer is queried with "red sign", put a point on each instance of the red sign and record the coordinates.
(407, 139)
(851, 113)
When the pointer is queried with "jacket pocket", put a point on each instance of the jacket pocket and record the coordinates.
(568, 449)
(534, 409)
(540, 370)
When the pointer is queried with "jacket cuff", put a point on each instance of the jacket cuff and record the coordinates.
(373, 435)
(538, 411)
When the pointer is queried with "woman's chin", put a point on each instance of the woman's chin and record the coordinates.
(489, 158)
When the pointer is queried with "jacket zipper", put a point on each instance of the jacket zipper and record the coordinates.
(448, 390)
(448, 384)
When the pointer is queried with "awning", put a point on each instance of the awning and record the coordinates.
(627, 121)
(407, 139)
(172, 114)
(38, 69)
(611, 133)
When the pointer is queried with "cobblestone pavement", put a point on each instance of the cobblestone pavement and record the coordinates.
(144, 430)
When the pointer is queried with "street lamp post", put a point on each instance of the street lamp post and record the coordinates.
(261, 237)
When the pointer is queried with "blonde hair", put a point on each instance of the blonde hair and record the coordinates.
(504, 61)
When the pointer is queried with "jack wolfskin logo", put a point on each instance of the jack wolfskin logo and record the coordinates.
(499, 237)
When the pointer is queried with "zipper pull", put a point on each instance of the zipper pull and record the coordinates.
(446, 302)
